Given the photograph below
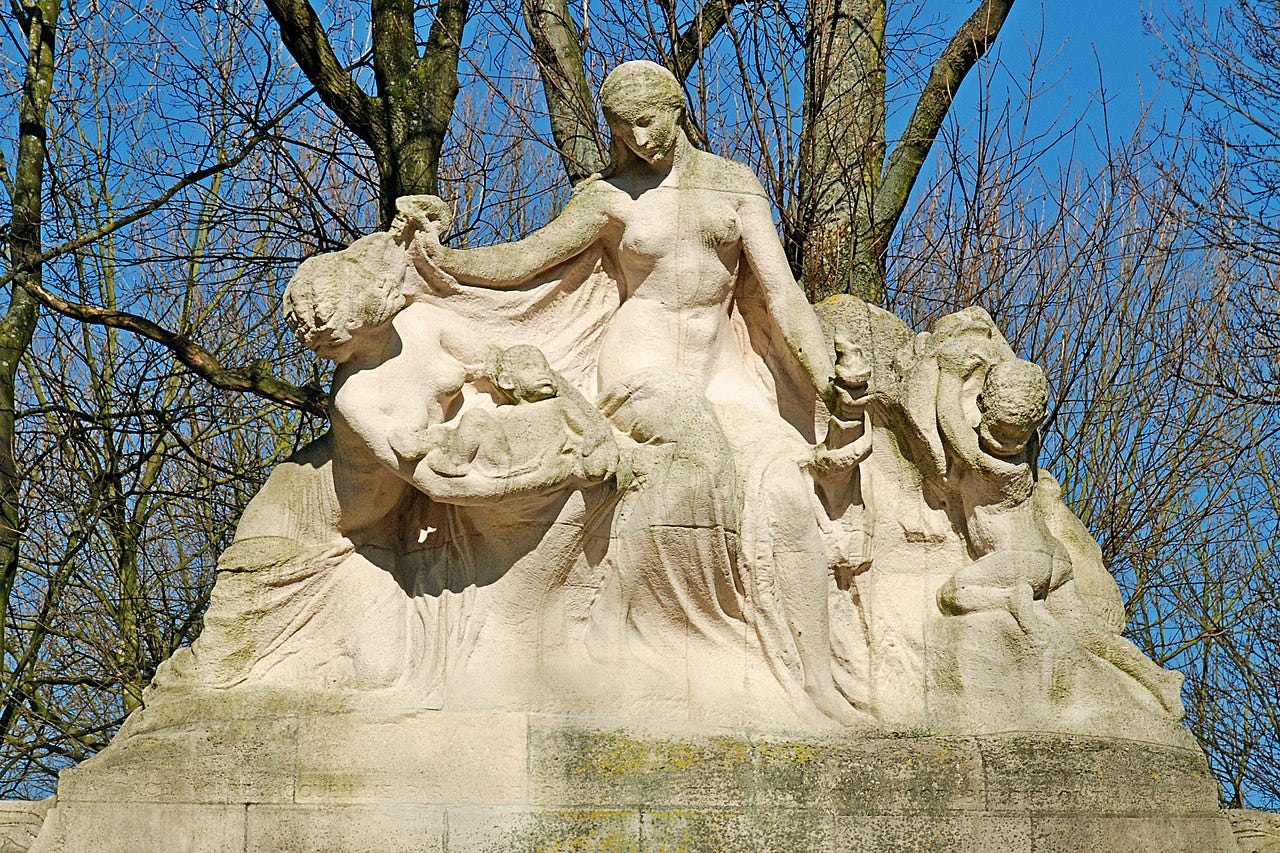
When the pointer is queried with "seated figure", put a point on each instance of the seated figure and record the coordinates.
(1009, 519)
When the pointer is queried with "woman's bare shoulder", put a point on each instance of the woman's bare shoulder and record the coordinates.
(594, 196)
(728, 175)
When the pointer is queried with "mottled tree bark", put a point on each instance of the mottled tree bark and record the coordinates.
(18, 322)
(850, 198)
(841, 149)
(557, 50)
(405, 123)
(966, 47)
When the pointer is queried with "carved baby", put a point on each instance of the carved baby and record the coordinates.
(543, 429)
(848, 522)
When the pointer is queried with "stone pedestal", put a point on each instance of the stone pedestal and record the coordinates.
(440, 781)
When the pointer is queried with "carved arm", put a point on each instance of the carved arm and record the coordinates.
(509, 265)
(786, 301)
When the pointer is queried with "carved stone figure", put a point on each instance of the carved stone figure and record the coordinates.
(622, 468)
(1008, 520)
(612, 507)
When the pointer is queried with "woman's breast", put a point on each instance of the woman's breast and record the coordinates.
(668, 222)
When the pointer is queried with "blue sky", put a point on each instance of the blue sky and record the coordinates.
(1093, 45)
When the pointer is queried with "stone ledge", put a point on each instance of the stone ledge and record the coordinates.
(207, 828)
(508, 782)
(1255, 831)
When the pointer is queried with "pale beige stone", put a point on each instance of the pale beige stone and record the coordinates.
(350, 829)
(412, 758)
(20, 822)
(143, 827)
(503, 830)
(622, 468)
(1255, 831)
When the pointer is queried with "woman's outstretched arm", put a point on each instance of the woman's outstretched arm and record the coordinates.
(509, 265)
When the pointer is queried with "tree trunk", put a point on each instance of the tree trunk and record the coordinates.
(417, 95)
(406, 123)
(841, 150)
(850, 198)
(19, 321)
(558, 54)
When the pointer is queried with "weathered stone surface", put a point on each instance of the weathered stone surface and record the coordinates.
(141, 827)
(575, 766)
(412, 758)
(533, 782)
(936, 833)
(1077, 775)
(614, 544)
(704, 832)
(1118, 834)
(350, 829)
(496, 830)
(1255, 831)
(218, 761)
(20, 822)
(874, 776)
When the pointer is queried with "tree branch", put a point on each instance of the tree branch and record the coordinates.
(557, 50)
(161, 200)
(255, 378)
(304, 36)
(968, 45)
(689, 45)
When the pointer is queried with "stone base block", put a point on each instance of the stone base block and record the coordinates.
(438, 781)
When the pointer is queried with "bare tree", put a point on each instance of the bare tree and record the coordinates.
(1227, 63)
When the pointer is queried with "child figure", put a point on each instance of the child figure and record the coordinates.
(992, 473)
(1017, 559)
(848, 520)
(542, 426)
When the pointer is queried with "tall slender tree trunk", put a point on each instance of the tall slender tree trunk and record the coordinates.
(557, 51)
(842, 150)
(19, 320)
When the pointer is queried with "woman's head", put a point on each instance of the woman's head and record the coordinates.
(644, 106)
(332, 297)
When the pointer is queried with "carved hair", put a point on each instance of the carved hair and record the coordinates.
(334, 295)
(641, 80)
(1016, 392)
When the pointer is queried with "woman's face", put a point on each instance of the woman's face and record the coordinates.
(649, 130)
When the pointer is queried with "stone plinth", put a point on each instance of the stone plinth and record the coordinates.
(386, 780)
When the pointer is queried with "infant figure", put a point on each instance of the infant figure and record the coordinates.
(542, 427)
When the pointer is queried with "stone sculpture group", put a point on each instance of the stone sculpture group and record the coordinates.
(616, 542)
(622, 468)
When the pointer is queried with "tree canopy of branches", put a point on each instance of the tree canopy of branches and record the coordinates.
(172, 163)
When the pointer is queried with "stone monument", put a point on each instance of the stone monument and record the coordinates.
(617, 543)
